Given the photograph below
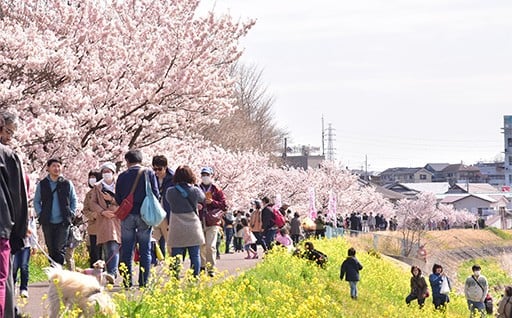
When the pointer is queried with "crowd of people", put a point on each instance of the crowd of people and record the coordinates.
(197, 217)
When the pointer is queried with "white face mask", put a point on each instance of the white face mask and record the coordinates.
(92, 181)
(206, 180)
(109, 176)
(477, 273)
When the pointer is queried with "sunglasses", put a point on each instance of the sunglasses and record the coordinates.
(158, 168)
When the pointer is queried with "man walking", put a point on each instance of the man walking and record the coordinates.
(164, 176)
(268, 222)
(133, 228)
(475, 290)
(13, 212)
(214, 204)
(55, 205)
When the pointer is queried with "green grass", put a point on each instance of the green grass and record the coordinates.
(500, 233)
(491, 269)
(38, 262)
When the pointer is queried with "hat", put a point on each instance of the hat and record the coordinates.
(108, 165)
(207, 170)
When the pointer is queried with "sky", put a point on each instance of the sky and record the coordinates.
(403, 83)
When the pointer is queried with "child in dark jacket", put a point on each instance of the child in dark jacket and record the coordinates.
(314, 255)
(350, 270)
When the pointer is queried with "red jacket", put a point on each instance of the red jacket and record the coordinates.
(218, 203)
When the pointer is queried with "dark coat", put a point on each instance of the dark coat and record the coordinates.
(350, 269)
(13, 199)
(267, 218)
(418, 286)
(166, 184)
(124, 184)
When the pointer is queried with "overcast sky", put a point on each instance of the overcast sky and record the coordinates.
(404, 83)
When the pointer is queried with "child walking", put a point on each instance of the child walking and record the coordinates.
(249, 239)
(350, 270)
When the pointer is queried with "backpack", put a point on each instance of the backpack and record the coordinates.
(279, 219)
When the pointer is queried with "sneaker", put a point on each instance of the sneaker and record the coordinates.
(24, 294)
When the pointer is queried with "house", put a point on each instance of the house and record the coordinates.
(437, 171)
(481, 199)
(479, 204)
(461, 173)
(492, 173)
(411, 175)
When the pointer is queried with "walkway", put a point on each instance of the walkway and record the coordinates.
(36, 306)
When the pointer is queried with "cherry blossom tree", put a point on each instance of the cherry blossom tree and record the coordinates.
(414, 215)
(92, 79)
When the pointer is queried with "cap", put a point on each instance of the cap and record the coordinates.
(108, 165)
(207, 170)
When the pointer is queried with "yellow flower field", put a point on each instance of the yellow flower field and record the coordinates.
(286, 286)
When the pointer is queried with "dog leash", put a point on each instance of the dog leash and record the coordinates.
(53, 263)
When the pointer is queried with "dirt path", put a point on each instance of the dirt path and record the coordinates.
(35, 306)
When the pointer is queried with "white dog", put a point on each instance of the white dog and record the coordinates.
(98, 271)
(77, 290)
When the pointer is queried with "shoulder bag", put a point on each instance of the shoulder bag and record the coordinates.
(151, 210)
(127, 204)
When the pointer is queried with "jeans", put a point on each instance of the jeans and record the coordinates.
(238, 243)
(228, 232)
(476, 306)
(440, 300)
(135, 230)
(295, 238)
(195, 259)
(353, 289)
(268, 236)
(411, 297)
(56, 237)
(5, 260)
(21, 259)
(111, 251)
(260, 241)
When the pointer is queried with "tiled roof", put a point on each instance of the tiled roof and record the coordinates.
(432, 187)
(479, 188)
(450, 198)
(437, 166)
(402, 170)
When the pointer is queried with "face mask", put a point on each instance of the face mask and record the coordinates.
(92, 181)
(206, 180)
(477, 273)
(108, 176)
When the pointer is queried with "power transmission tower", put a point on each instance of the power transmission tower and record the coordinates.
(331, 150)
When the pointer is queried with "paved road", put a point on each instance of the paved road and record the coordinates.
(35, 306)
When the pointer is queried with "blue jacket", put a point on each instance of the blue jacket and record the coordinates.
(435, 284)
(124, 184)
(350, 269)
